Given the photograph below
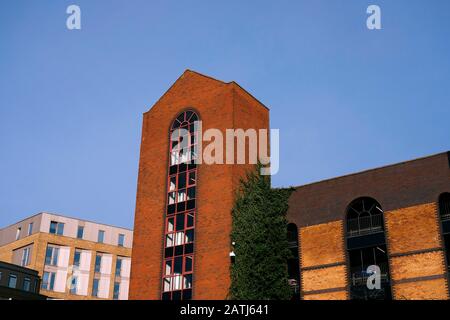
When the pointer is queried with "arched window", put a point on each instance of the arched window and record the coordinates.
(293, 262)
(444, 214)
(364, 216)
(366, 247)
(177, 270)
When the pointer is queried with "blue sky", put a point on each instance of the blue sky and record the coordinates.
(344, 98)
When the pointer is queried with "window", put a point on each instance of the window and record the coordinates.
(27, 284)
(118, 266)
(98, 262)
(366, 246)
(116, 290)
(444, 214)
(30, 228)
(25, 257)
(95, 288)
(121, 240)
(19, 230)
(48, 281)
(101, 236)
(181, 208)
(77, 258)
(51, 256)
(73, 285)
(80, 232)
(293, 261)
(12, 281)
(56, 228)
(364, 217)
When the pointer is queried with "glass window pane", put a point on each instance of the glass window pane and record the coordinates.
(189, 236)
(168, 267)
(48, 255)
(180, 222)
(45, 280)
(182, 180)
(76, 258)
(172, 183)
(26, 284)
(171, 197)
(167, 282)
(98, 263)
(188, 281)
(179, 238)
(190, 220)
(170, 225)
(101, 236)
(80, 232)
(169, 240)
(178, 265)
(191, 193)
(60, 230)
(52, 280)
(177, 282)
(53, 225)
(116, 290)
(55, 256)
(191, 178)
(30, 228)
(188, 264)
(181, 195)
(12, 282)
(121, 240)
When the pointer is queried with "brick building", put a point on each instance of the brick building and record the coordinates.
(396, 217)
(177, 201)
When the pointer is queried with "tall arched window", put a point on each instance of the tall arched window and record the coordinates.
(444, 214)
(366, 246)
(293, 262)
(180, 209)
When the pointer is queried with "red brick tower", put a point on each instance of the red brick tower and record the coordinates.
(192, 201)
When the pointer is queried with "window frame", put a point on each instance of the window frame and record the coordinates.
(121, 240)
(30, 228)
(181, 208)
(101, 239)
(12, 276)
(27, 280)
(56, 228)
(25, 257)
(95, 287)
(80, 228)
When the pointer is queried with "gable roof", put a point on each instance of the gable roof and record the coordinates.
(192, 73)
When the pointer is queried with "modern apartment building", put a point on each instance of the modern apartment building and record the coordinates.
(76, 259)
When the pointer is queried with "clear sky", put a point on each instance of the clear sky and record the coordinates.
(344, 98)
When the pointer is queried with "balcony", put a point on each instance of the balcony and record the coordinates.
(365, 225)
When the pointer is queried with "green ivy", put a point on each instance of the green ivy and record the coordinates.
(259, 230)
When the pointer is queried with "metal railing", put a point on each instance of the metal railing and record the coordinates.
(358, 276)
(365, 225)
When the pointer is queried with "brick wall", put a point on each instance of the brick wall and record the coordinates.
(322, 262)
(417, 263)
